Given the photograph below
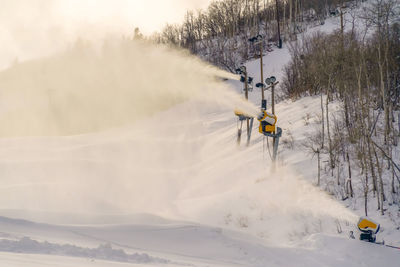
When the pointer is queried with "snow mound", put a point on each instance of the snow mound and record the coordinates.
(102, 252)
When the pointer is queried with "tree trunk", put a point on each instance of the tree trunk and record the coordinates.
(349, 169)
(295, 17)
(290, 17)
(366, 191)
(383, 93)
(332, 163)
(393, 187)
(382, 194)
(371, 164)
(398, 121)
(323, 124)
(319, 167)
(338, 173)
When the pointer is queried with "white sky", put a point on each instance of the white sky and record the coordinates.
(34, 28)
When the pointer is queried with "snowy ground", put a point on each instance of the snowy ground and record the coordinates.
(176, 190)
(174, 243)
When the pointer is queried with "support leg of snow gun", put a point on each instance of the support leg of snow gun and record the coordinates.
(267, 128)
(249, 130)
(249, 124)
(239, 133)
(277, 135)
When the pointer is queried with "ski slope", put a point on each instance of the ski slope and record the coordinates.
(175, 189)
(173, 243)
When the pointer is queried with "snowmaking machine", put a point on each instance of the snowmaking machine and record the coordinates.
(267, 128)
(368, 228)
(267, 122)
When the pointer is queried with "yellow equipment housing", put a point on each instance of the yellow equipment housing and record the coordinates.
(267, 128)
(368, 225)
(269, 120)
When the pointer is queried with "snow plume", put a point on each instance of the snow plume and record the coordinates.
(94, 87)
(160, 139)
(147, 113)
(280, 208)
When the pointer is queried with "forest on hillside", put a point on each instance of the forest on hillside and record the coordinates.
(361, 69)
(220, 34)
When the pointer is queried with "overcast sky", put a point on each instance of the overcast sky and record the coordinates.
(34, 28)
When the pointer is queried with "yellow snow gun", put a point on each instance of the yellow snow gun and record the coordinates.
(369, 229)
(267, 122)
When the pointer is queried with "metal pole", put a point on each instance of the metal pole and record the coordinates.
(261, 67)
(273, 112)
(250, 129)
(275, 152)
(246, 88)
(279, 29)
(273, 97)
(239, 134)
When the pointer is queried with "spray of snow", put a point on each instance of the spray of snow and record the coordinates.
(92, 88)
(279, 207)
(158, 139)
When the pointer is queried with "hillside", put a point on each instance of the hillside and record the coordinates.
(87, 181)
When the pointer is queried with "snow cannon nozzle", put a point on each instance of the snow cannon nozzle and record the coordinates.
(242, 115)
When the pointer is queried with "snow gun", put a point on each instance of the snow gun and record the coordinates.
(266, 119)
(267, 122)
(369, 229)
(267, 128)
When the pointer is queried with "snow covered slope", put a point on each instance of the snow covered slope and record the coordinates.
(173, 243)
(243, 214)
(175, 189)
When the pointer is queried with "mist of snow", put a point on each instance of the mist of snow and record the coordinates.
(95, 87)
(129, 127)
